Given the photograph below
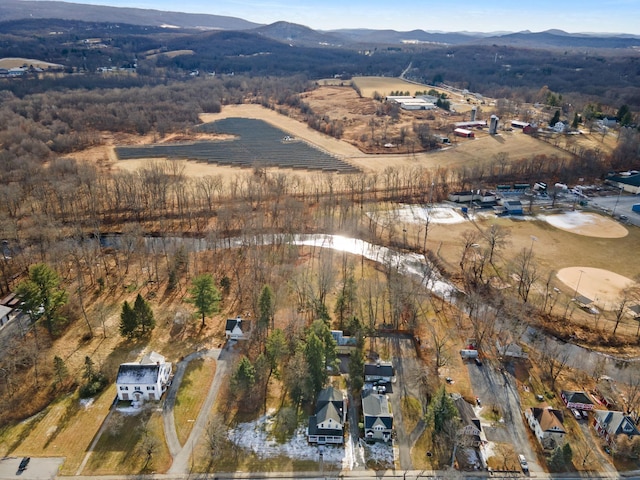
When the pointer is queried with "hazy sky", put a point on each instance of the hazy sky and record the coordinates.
(617, 16)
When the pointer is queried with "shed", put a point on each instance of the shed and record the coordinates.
(513, 207)
(463, 132)
(579, 400)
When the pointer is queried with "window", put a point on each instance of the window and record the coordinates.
(124, 388)
(151, 387)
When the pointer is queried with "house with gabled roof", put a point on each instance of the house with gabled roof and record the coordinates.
(379, 372)
(237, 328)
(609, 424)
(144, 380)
(378, 419)
(547, 426)
(469, 435)
(577, 400)
(327, 425)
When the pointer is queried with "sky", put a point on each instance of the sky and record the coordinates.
(617, 16)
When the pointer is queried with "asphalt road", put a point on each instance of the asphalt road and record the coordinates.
(38, 468)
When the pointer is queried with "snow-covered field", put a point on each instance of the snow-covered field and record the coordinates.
(419, 214)
(570, 220)
(256, 437)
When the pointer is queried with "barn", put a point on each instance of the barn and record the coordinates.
(463, 132)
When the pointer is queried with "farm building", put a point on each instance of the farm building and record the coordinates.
(519, 124)
(474, 124)
(411, 103)
(462, 132)
(146, 380)
(529, 129)
(627, 181)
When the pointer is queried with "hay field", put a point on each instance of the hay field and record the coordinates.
(385, 85)
(171, 54)
(14, 62)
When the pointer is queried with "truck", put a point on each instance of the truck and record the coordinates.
(466, 353)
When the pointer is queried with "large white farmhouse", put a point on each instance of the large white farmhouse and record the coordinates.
(146, 380)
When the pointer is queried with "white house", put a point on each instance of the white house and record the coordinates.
(146, 380)
(546, 424)
(236, 329)
(327, 425)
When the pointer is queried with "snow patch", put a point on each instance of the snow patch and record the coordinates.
(570, 220)
(256, 437)
(86, 403)
(418, 214)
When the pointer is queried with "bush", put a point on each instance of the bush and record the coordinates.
(91, 389)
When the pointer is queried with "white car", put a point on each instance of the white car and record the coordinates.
(576, 414)
(523, 463)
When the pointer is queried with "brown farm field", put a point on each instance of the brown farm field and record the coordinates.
(13, 62)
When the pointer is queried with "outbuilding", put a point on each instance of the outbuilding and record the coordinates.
(463, 132)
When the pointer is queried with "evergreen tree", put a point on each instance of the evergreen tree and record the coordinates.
(205, 297)
(60, 369)
(145, 320)
(244, 378)
(555, 119)
(89, 373)
(314, 354)
(128, 321)
(265, 307)
(440, 411)
(42, 296)
(276, 348)
(356, 365)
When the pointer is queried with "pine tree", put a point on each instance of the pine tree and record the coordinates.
(145, 320)
(205, 297)
(265, 307)
(128, 321)
(314, 354)
(60, 369)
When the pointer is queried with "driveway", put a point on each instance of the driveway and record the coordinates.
(406, 364)
(499, 388)
(182, 453)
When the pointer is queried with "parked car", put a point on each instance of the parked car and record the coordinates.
(584, 414)
(23, 464)
(478, 361)
(576, 414)
(523, 463)
(478, 402)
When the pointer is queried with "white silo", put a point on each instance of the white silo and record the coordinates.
(493, 126)
(474, 111)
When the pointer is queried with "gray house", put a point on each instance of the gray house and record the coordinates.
(327, 425)
(378, 419)
(379, 372)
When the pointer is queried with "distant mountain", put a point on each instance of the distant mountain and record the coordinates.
(299, 35)
(367, 36)
(20, 9)
(562, 39)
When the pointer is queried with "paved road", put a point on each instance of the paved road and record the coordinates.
(182, 457)
(38, 468)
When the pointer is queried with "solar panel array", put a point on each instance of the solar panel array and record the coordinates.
(256, 143)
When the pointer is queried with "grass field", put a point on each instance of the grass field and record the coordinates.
(14, 62)
(192, 394)
(170, 54)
